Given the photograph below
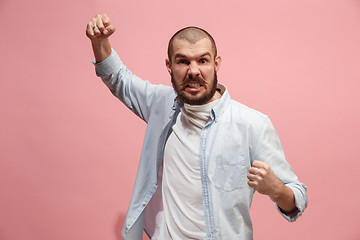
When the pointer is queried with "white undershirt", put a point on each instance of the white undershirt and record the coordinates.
(183, 215)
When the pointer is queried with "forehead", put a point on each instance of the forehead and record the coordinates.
(183, 47)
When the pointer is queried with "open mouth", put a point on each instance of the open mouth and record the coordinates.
(194, 85)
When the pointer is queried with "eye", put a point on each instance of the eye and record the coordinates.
(203, 60)
(183, 61)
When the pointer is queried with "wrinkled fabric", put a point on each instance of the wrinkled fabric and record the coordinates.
(235, 136)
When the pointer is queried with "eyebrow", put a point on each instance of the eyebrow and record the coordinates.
(179, 55)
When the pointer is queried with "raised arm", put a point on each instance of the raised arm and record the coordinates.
(138, 95)
(98, 30)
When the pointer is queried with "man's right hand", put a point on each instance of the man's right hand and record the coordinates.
(98, 30)
(99, 27)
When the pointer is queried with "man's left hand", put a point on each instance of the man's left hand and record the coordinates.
(263, 180)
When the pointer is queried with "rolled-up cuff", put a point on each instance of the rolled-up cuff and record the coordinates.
(300, 202)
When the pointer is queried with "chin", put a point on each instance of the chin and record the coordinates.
(197, 99)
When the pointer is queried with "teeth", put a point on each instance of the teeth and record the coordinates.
(194, 85)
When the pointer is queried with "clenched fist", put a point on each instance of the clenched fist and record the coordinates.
(98, 31)
(99, 27)
(262, 179)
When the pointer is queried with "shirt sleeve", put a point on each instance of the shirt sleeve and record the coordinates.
(137, 94)
(268, 149)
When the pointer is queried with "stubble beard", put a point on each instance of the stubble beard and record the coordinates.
(205, 98)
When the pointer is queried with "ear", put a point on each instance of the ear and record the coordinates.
(168, 65)
(217, 63)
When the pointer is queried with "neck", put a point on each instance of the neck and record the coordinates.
(216, 96)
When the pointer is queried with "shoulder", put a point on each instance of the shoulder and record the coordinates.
(164, 92)
(248, 114)
(164, 96)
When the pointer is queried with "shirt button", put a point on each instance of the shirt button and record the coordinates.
(144, 203)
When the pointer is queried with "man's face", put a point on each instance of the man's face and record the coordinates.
(193, 71)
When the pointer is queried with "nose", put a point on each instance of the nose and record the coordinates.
(193, 69)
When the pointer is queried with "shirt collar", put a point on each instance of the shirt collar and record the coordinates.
(224, 101)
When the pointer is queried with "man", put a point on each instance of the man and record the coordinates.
(204, 155)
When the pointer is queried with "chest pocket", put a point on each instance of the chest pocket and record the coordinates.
(231, 172)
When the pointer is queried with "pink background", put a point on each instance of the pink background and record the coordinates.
(69, 150)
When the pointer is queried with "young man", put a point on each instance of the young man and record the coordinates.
(204, 155)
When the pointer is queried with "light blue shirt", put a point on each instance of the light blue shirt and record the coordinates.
(235, 136)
